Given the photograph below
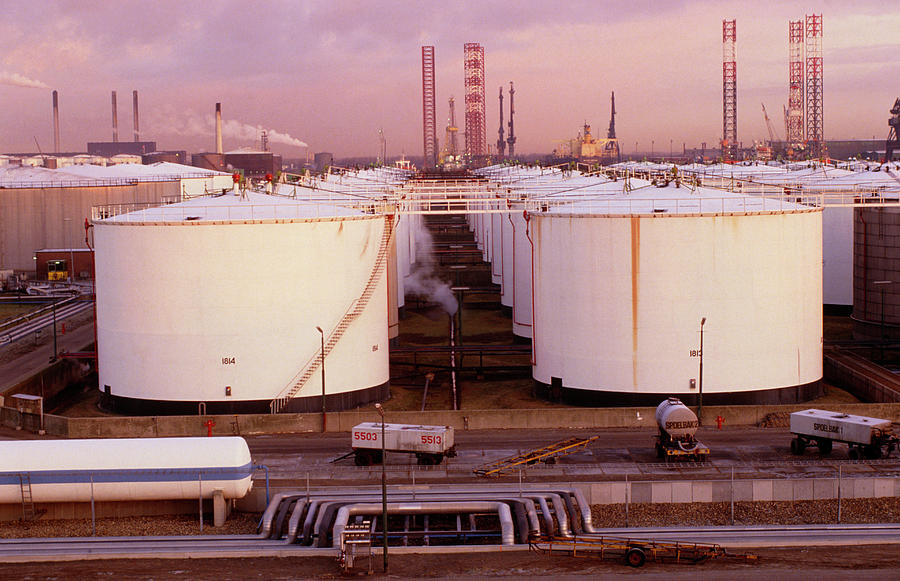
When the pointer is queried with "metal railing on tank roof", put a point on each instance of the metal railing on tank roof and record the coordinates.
(160, 212)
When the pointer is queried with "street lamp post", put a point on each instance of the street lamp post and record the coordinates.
(384, 514)
(322, 364)
(700, 395)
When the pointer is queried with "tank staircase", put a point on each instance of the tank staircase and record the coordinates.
(547, 455)
(28, 511)
(357, 307)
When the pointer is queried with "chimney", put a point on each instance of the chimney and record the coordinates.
(55, 122)
(218, 128)
(115, 119)
(137, 131)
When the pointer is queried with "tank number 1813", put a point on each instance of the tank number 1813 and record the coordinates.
(228, 361)
(695, 353)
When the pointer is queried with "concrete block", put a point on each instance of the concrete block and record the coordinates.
(641, 492)
(607, 493)
(763, 490)
(883, 487)
(702, 491)
(743, 490)
(661, 492)
(803, 489)
(219, 507)
(860, 488)
(824, 488)
(721, 491)
(682, 491)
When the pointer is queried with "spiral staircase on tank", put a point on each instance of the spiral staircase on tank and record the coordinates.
(357, 307)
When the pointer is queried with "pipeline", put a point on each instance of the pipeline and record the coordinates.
(503, 511)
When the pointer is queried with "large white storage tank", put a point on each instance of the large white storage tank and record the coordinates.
(622, 284)
(215, 304)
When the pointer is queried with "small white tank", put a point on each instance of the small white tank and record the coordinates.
(676, 419)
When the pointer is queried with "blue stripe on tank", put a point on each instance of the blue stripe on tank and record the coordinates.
(129, 475)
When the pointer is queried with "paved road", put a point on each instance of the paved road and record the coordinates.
(749, 451)
(36, 550)
(16, 365)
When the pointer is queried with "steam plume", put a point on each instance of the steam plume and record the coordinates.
(17, 80)
(205, 125)
(422, 280)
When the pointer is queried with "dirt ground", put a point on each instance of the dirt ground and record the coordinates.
(872, 563)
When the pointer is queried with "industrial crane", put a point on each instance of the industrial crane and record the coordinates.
(772, 138)
(893, 140)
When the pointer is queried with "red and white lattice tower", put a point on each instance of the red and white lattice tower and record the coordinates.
(476, 134)
(794, 118)
(429, 109)
(729, 91)
(815, 133)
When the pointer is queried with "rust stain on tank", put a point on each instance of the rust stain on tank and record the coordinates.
(635, 287)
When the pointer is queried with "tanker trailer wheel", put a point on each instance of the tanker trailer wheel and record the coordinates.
(797, 446)
(363, 458)
(635, 557)
(824, 445)
(872, 452)
(853, 453)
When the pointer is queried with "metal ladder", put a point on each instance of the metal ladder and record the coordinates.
(547, 454)
(357, 307)
(27, 500)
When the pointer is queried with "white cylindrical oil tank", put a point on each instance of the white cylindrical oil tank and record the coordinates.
(497, 245)
(521, 259)
(127, 469)
(876, 273)
(507, 271)
(215, 304)
(622, 285)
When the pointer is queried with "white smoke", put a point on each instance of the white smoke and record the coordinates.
(205, 125)
(422, 280)
(18, 80)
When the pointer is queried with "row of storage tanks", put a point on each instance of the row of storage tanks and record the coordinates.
(615, 281)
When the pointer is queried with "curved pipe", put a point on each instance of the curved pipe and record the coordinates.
(267, 517)
(502, 509)
(585, 510)
(294, 523)
(526, 514)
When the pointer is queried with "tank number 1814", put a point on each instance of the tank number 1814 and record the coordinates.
(228, 361)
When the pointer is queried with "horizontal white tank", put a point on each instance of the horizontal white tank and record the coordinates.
(129, 469)
(621, 287)
(224, 311)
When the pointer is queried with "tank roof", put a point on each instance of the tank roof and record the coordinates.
(254, 206)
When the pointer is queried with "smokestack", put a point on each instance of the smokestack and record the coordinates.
(137, 131)
(55, 122)
(115, 119)
(218, 128)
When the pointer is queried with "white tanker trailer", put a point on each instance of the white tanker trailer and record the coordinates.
(677, 428)
(126, 469)
(866, 437)
(430, 444)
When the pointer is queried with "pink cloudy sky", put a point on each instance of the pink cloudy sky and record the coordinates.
(331, 73)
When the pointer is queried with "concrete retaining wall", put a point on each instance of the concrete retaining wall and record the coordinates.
(763, 490)
(163, 426)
